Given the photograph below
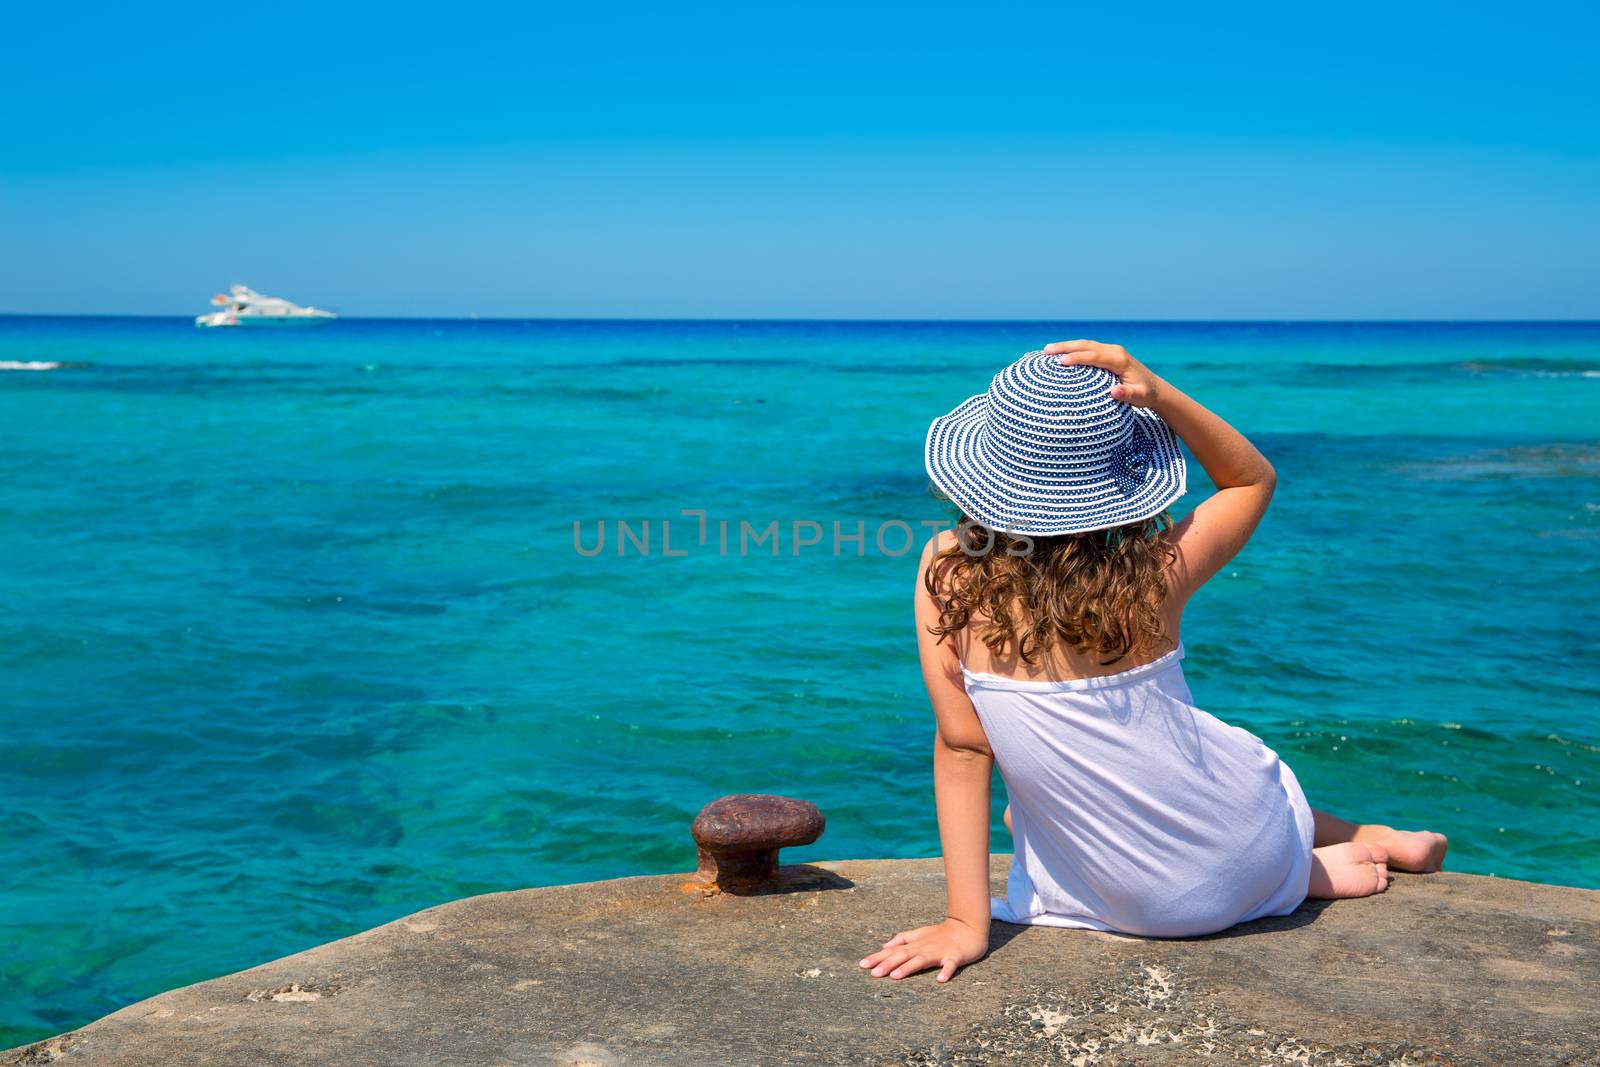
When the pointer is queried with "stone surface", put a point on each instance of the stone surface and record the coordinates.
(1441, 969)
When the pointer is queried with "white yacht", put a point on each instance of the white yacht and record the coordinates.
(243, 306)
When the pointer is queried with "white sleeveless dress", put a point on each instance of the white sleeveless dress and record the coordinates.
(1136, 812)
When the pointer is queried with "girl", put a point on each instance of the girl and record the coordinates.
(1048, 626)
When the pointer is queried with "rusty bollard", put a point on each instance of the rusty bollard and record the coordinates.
(739, 838)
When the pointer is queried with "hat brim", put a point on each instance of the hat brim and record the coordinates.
(1024, 501)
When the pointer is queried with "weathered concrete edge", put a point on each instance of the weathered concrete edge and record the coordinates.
(609, 890)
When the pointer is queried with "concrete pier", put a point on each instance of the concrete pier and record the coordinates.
(1446, 969)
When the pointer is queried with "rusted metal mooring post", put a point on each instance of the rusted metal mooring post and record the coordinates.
(739, 837)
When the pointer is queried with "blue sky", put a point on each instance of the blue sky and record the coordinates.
(818, 160)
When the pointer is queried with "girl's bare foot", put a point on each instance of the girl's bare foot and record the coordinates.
(1350, 869)
(1409, 850)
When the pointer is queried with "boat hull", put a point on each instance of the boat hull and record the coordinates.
(222, 321)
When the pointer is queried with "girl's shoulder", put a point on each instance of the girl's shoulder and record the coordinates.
(937, 549)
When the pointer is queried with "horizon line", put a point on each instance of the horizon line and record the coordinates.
(853, 319)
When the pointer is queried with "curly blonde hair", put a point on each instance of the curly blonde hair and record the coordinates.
(1098, 592)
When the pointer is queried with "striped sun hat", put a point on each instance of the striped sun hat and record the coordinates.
(1048, 451)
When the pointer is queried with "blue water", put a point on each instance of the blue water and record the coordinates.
(297, 641)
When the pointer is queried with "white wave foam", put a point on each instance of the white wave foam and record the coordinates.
(26, 364)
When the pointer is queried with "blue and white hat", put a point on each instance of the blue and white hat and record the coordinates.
(1047, 451)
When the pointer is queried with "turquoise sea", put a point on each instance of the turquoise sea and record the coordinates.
(296, 639)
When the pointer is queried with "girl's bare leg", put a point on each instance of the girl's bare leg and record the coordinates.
(1407, 850)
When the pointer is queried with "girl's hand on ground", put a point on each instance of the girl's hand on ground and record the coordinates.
(1136, 386)
(948, 946)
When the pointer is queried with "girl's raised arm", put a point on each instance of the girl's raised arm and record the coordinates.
(1219, 527)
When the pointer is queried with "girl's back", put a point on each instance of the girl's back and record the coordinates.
(1133, 810)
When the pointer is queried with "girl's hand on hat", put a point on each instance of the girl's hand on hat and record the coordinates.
(1136, 385)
